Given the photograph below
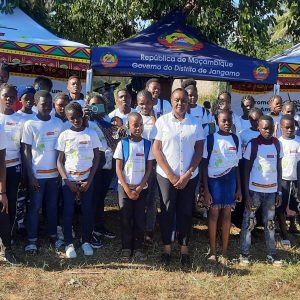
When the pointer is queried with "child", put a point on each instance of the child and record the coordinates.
(247, 103)
(160, 106)
(133, 166)
(248, 134)
(275, 104)
(12, 124)
(77, 162)
(221, 181)
(60, 102)
(262, 187)
(40, 136)
(123, 102)
(196, 110)
(74, 87)
(290, 108)
(290, 174)
(5, 234)
(145, 106)
(26, 97)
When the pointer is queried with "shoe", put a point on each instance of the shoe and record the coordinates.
(96, 242)
(273, 260)
(87, 249)
(9, 257)
(125, 255)
(223, 261)
(70, 251)
(165, 259)
(104, 232)
(57, 243)
(31, 249)
(140, 255)
(185, 260)
(212, 259)
(244, 260)
(286, 243)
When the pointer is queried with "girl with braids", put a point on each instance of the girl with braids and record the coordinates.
(247, 103)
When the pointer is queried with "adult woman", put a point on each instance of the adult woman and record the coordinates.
(178, 148)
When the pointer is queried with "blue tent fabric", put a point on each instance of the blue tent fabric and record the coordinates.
(291, 56)
(172, 48)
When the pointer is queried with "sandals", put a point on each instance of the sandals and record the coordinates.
(212, 259)
(31, 249)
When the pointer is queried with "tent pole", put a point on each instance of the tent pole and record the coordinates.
(276, 89)
(89, 81)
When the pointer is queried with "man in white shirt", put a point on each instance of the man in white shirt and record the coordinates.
(74, 87)
(160, 106)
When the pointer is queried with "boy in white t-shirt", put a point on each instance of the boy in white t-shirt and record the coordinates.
(290, 174)
(78, 160)
(74, 87)
(275, 104)
(133, 166)
(26, 97)
(39, 138)
(262, 186)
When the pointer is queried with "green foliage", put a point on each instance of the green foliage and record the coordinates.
(245, 28)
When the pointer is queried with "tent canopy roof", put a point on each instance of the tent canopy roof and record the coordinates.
(171, 48)
(291, 55)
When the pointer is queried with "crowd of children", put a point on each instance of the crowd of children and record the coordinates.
(58, 155)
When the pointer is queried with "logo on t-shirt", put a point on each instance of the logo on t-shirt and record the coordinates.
(83, 142)
(49, 133)
(270, 156)
(293, 151)
(11, 123)
(140, 154)
(232, 148)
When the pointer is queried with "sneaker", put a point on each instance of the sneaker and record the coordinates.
(165, 259)
(56, 243)
(96, 242)
(125, 255)
(140, 255)
(9, 257)
(31, 249)
(70, 251)
(273, 260)
(87, 249)
(104, 232)
(244, 260)
(185, 260)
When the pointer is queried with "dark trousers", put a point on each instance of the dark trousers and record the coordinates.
(179, 203)
(132, 219)
(13, 177)
(5, 232)
(102, 180)
(86, 200)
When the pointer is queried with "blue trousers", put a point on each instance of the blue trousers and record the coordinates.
(86, 200)
(48, 193)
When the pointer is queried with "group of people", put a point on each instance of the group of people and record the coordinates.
(61, 156)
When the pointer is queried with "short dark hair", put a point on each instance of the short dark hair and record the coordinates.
(255, 110)
(191, 87)
(61, 95)
(41, 93)
(47, 81)
(266, 118)
(223, 111)
(224, 92)
(179, 90)
(289, 103)
(143, 93)
(187, 82)
(151, 80)
(121, 90)
(4, 67)
(9, 87)
(134, 114)
(74, 77)
(247, 97)
(287, 118)
(274, 97)
(74, 106)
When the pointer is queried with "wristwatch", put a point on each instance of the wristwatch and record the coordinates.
(279, 193)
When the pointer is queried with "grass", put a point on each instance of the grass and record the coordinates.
(49, 275)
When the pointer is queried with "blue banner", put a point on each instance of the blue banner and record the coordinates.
(171, 48)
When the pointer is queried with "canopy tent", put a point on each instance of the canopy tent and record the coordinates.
(36, 51)
(171, 48)
(289, 66)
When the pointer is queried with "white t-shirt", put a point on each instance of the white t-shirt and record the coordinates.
(178, 139)
(2, 138)
(291, 156)
(236, 122)
(78, 148)
(245, 124)
(166, 107)
(149, 123)
(224, 155)
(246, 136)
(13, 126)
(263, 176)
(42, 136)
(80, 101)
(134, 168)
(200, 113)
(117, 113)
(103, 144)
(25, 116)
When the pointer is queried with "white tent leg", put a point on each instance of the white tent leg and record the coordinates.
(276, 89)
(89, 81)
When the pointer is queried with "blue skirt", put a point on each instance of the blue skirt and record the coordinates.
(223, 189)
